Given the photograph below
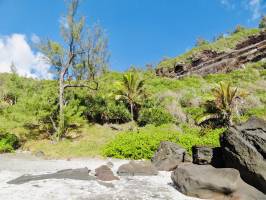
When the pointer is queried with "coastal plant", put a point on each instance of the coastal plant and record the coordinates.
(224, 105)
(131, 90)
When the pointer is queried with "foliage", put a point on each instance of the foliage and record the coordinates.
(201, 42)
(8, 142)
(224, 104)
(131, 90)
(239, 28)
(77, 60)
(263, 22)
(154, 115)
(101, 110)
(143, 143)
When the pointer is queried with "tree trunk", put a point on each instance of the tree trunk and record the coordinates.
(132, 111)
(61, 124)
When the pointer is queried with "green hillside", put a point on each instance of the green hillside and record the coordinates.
(99, 121)
(221, 44)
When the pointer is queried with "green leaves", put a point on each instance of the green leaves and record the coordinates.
(143, 143)
(154, 115)
(8, 142)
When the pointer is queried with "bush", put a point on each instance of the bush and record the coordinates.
(8, 142)
(156, 116)
(143, 143)
(263, 22)
(238, 29)
(103, 110)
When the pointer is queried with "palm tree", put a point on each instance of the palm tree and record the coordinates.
(224, 104)
(131, 90)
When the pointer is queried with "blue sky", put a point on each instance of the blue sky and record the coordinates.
(140, 31)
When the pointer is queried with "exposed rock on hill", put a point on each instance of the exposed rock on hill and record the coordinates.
(206, 62)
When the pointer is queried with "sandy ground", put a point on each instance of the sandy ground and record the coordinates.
(127, 188)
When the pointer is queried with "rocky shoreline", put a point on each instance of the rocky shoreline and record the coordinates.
(236, 170)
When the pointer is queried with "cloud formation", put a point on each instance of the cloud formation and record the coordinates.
(15, 49)
(255, 7)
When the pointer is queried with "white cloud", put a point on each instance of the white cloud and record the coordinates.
(35, 39)
(15, 48)
(228, 4)
(255, 7)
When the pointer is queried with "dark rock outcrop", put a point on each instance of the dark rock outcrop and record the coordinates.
(203, 155)
(104, 173)
(168, 156)
(205, 181)
(244, 148)
(76, 174)
(208, 61)
(137, 168)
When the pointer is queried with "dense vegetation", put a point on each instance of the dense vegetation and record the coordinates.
(123, 115)
(27, 105)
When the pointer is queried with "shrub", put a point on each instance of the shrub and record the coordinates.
(263, 22)
(238, 29)
(102, 110)
(143, 143)
(8, 142)
(156, 116)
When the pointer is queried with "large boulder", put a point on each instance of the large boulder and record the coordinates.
(104, 173)
(244, 148)
(168, 156)
(207, 182)
(137, 168)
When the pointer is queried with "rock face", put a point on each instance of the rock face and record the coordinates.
(76, 174)
(244, 148)
(134, 168)
(205, 181)
(208, 62)
(104, 173)
(168, 156)
(203, 155)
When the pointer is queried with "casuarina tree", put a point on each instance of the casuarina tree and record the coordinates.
(77, 60)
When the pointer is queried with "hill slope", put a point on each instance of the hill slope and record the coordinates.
(223, 55)
(170, 111)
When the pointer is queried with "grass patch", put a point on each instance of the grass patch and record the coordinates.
(89, 144)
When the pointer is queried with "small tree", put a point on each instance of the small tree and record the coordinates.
(224, 104)
(78, 59)
(201, 41)
(131, 89)
(263, 22)
(239, 28)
